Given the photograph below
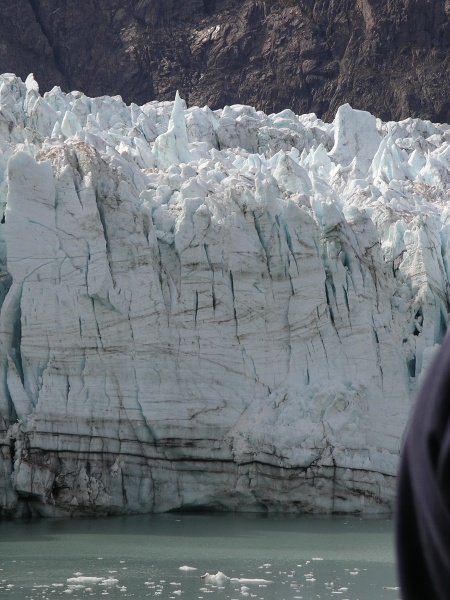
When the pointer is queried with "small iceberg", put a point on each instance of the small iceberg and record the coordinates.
(219, 578)
(83, 579)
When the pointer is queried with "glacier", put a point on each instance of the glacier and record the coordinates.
(221, 310)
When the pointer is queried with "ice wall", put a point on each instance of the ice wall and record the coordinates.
(225, 309)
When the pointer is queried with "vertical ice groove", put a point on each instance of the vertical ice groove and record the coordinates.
(234, 306)
(195, 307)
(257, 220)
(213, 288)
(101, 214)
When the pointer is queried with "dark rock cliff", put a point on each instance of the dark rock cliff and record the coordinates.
(391, 58)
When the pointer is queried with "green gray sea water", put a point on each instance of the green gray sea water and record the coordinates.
(140, 557)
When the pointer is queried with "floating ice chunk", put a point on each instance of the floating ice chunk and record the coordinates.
(250, 580)
(217, 578)
(187, 568)
(220, 578)
(394, 588)
(109, 581)
(84, 579)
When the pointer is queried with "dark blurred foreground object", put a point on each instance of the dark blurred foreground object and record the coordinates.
(390, 58)
(423, 509)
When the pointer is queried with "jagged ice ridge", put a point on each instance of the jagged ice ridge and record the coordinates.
(223, 309)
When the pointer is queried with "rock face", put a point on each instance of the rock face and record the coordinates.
(212, 309)
(391, 58)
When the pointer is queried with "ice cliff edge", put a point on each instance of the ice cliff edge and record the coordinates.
(221, 309)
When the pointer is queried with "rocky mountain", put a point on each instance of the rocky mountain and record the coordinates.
(391, 58)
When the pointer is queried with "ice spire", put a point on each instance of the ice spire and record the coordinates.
(172, 147)
(31, 83)
(356, 139)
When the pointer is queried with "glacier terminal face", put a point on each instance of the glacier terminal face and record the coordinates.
(212, 309)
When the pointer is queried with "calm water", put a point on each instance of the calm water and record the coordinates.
(300, 557)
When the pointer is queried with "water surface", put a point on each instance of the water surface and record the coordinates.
(299, 557)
